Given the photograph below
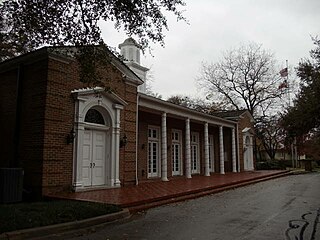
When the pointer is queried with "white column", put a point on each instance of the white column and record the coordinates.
(188, 149)
(206, 150)
(164, 170)
(234, 158)
(221, 150)
(116, 134)
(78, 156)
(238, 149)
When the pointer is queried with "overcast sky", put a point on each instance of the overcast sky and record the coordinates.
(284, 27)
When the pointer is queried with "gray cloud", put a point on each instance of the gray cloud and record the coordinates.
(282, 26)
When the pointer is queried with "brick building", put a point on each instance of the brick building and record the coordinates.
(67, 136)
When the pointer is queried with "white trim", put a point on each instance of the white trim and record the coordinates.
(181, 112)
(233, 148)
(221, 144)
(164, 155)
(109, 105)
(206, 150)
(188, 149)
(98, 92)
(248, 151)
(238, 150)
(137, 138)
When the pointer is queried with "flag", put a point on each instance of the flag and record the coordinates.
(284, 72)
(283, 85)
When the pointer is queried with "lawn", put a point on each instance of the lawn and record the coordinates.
(36, 214)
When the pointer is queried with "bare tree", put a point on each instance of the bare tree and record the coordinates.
(271, 134)
(149, 88)
(245, 78)
(197, 104)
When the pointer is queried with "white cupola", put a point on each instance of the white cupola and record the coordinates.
(130, 50)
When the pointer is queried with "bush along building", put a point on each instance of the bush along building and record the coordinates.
(67, 136)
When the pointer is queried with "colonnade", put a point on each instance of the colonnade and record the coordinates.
(164, 155)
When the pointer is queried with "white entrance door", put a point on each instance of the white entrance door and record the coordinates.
(176, 152)
(93, 166)
(153, 152)
(195, 153)
(248, 154)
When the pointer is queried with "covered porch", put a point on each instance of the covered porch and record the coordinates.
(176, 141)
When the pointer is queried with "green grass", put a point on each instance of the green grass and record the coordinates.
(28, 215)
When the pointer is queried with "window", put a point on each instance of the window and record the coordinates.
(211, 153)
(153, 133)
(195, 153)
(153, 152)
(94, 116)
(176, 152)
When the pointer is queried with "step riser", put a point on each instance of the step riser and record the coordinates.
(195, 194)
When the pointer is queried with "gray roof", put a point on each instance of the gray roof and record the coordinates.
(233, 114)
(67, 52)
(129, 42)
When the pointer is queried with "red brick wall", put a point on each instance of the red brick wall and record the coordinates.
(58, 162)
(30, 152)
(48, 117)
(8, 95)
(145, 119)
(142, 148)
(59, 117)
(228, 149)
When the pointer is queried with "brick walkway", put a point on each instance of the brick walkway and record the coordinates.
(157, 191)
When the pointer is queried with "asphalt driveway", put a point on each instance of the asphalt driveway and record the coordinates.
(282, 208)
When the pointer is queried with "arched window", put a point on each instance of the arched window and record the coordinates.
(94, 116)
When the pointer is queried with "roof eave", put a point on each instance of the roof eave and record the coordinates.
(161, 105)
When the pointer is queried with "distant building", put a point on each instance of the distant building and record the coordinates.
(67, 136)
(281, 154)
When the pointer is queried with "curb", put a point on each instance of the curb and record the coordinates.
(210, 191)
(46, 231)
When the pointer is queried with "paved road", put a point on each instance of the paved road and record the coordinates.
(259, 211)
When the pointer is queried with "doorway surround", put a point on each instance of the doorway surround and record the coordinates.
(96, 145)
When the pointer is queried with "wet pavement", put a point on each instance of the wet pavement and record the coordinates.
(152, 191)
(283, 208)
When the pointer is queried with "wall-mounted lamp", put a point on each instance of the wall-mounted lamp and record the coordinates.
(71, 136)
(123, 141)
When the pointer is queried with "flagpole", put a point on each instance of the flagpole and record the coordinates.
(288, 86)
(288, 93)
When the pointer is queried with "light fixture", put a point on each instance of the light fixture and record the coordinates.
(123, 141)
(71, 136)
